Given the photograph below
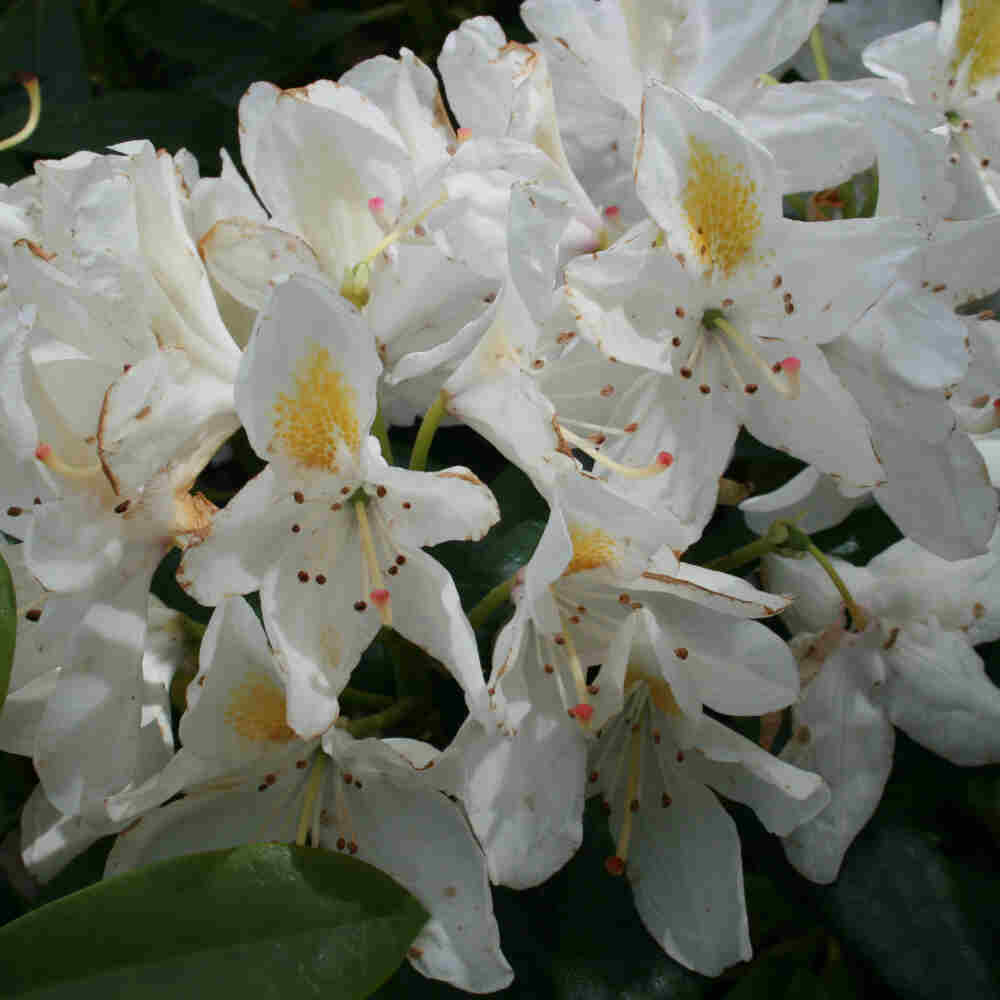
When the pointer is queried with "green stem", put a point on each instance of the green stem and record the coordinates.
(859, 620)
(819, 54)
(848, 199)
(372, 725)
(777, 535)
(871, 201)
(422, 446)
(379, 430)
(491, 603)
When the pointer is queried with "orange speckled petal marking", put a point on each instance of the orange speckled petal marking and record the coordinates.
(979, 37)
(319, 415)
(719, 203)
(257, 711)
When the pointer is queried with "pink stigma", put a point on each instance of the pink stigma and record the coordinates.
(996, 403)
(376, 205)
(614, 865)
(463, 134)
(612, 211)
(665, 459)
(43, 451)
(379, 597)
(791, 365)
(583, 711)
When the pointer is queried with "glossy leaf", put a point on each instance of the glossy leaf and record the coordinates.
(264, 920)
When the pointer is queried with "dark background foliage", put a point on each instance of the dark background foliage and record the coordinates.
(914, 913)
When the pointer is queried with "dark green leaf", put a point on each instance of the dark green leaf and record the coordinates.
(917, 896)
(518, 498)
(265, 920)
(166, 119)
(479, 566)
(8, 627)
(265, 12)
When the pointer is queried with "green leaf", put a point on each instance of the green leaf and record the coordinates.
(270, 921)
(8, 628)
(917, 895)
(17, 779)
(167, 119)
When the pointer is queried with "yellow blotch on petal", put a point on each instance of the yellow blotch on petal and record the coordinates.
(591, 550)
(722, 214)
(318, 415)
(979, 37)
(660, 692)
(257, 711)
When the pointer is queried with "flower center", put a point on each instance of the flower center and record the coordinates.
(721, 211)
(660, 692)
(257, 711)
(978, 39)
(318, 415)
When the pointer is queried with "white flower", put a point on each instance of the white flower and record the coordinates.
(248, 778)
(329, 532)
(913, 667)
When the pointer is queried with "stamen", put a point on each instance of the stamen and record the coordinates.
(47, 456)
(615, 865)
(378, 593)
(308, 813)
(30, 83)
(576, 668)
(661, 463)
(787, 387)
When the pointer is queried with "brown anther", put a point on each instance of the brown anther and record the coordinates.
(636, 606)
(270, 779)
(548, 668)
(126, 369)
(581, 609)
(33, 615)
(301, 764)
(676, 341)
(262, 788)
(750, 388)
(320, 579)
(593, 688)
(559, 639)
(635, 727)
(341, 843)
(624, 599)
(680, 756)
(686, 372)
(704, 389)
(802, 734)
(392, 570)
(607, 391)
(633, 806)
(987, 314)
(299, 497)
(296, 528)
(789, 308)
(631, 428)
(978, 610)
(303, 576)
(122, 507)
(681, 653)
(679, 312)
(656, 736)
(574, 619)
(407, 505)
(345, 490)
(598, 439)
(360, 605)
(565, 337)
(380, 491)
(348, 777)
(726, 303)
(594, 775)
(537, 363)
(777, 281)
(665, 800)
(984, 162)
(14, 511)
(400, 560)
(336, 506)
(357, 784)
(776, 367)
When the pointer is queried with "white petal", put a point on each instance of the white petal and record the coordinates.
(938, 693)
(782, 796)
(523, 795)
(306, 387)
(840, 733)
(810, 498)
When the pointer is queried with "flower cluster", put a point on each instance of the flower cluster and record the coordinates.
(600, 270)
